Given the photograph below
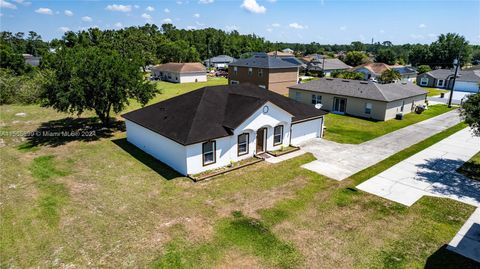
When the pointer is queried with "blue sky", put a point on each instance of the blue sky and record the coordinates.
(323, 21)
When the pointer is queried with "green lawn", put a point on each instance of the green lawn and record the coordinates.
(471, 168)
(104, 203)
(351, 130)
(434, 91)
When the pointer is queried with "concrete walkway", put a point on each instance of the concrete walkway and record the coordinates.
(339, 161)
(431, 172)
(467, 240)
(273, 159)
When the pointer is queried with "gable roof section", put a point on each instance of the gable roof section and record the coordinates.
(362, 89)
(376, 68)
(221, 59)
(330, 64)
(262, 60)
(463, 75)
(213, 112)
(280, 54)
(181, 67)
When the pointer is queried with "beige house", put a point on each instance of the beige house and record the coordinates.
(364, 99)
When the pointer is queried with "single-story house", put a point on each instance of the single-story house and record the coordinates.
(213, 126)
(180, 72)
(219, 62)
(288, 50)
(466, 81)
(372, 71)
(31, 60)
(327, 65)
(365, 99)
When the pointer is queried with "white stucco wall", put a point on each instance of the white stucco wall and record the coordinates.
(193, 77)
(160, 147)
(306, 130)
(465, 86)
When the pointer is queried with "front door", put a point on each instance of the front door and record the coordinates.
(261, 140)
(339, 105)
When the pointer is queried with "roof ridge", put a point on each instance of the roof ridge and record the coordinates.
(381, 91)
(196, 114)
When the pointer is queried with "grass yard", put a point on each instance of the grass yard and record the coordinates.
(434, 91)
(352, 130)
(102, 202)
(471, 168)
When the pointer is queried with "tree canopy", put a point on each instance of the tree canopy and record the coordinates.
(355, 58)
(389, 76)
(470, 112)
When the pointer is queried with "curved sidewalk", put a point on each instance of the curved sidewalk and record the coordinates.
(339, 161)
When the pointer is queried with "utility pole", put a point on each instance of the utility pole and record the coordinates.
(456, 63)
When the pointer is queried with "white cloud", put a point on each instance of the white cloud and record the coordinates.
(150, 8)
(296, 25)
(22, 2)
(205, 1)
(179, 2)
(199, 23)
(136, 6)
(275, 24)
(64, 29)
(166, 10)
(190, 27)
(68, 13)
(44, 10)
(269, 30)
(253, 7)
(87, 19)
(121, 8)
(422, 25)
(167, 20)
(382, 31)
(272, 1)
(343, 28)
(196, 15)
(146, 16)
(118, 25)
(5, 4)
(231, 28)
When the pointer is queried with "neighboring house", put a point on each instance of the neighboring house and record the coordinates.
(372, 71)
(219, 62)
(31, 60)
(360, 98)
(280, 54)
(288, 50)
(213, 126)
(268, 72)
(466, 81)
(327, 65)
(180, 72)
(288, 57)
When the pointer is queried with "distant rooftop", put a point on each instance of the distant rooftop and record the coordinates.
(263, 60)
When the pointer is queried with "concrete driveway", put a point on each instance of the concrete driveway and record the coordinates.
(431, 172)
(339, 161)
(467, 240)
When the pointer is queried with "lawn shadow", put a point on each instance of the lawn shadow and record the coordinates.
(55, 133)
(162, 169)
(441, 173)
(447, 259)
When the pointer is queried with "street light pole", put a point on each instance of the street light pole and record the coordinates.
(456, 64)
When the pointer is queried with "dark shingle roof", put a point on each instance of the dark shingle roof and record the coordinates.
(330, 64)
(213, 112)
(362, 89)
(463, 75)
(262, 60)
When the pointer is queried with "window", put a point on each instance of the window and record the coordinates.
(424, 81)
(316, 99)
(235, 70)
(368, 108)
(260, 72)
(277, 135)
(242, 144)
(440, 83)
(249, 72)
(298, 96)
(208, 152)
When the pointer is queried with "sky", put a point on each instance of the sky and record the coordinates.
(322, 21)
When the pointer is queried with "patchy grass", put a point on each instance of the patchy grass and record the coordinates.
(351, 130)
(434, 91)
(103, 203)
(471, 168)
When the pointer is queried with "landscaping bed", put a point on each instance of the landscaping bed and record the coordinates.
(283, 151)
(222, 170)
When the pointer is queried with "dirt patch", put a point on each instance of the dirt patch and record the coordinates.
(250, 203)
(237, 259)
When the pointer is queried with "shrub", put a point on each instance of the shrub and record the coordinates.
(23, 89)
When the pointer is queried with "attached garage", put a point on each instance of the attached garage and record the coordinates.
(305, 130)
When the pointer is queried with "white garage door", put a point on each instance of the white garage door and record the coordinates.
(306, 130)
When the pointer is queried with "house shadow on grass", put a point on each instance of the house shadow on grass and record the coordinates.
(55, 133)
(447, 259)
(162, 169)
(441, 173)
